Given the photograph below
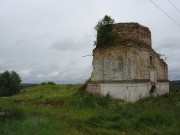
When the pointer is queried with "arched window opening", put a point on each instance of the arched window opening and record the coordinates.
(154, 91)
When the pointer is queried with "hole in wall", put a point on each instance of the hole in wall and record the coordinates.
(153, 91)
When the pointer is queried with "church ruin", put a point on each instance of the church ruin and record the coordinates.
(129, 69)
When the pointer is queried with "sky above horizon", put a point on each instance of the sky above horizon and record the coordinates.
(44, 40)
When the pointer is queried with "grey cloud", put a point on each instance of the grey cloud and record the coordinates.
(31, 32)
(66, 74)
(174, 72)
(170, 43)
(72, 43)
(67, 44)
(171, 48)
(6, 65)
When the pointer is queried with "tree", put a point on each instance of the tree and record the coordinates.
(9, 83)
(105, 33)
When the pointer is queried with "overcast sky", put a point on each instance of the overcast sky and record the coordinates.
(44, 40)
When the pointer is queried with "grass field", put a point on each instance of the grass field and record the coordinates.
(64, 110)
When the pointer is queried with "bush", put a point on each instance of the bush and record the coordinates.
(105, 33)
(50, 83)
(9, 83)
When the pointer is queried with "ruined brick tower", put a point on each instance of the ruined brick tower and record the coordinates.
(129, 68)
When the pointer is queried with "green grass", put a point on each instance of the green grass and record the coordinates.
(62, 109)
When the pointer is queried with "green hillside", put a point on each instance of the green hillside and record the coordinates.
(64, 110)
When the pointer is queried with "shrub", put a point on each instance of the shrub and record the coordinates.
(9, 83)
(105, 33)
(51, 83)
(43, 83)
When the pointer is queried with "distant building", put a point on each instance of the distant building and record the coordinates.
(129, 68)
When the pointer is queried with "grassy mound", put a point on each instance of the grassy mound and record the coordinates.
(63, 109)
(46, 94)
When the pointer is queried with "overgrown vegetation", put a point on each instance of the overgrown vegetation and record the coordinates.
(107, 35)
(9, 83)
(62, 109)
(105, 32)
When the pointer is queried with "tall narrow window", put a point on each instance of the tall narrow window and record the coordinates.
(151, 59)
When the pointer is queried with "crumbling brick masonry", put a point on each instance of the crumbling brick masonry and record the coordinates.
(129, 68)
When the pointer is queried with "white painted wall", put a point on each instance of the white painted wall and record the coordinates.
(163, 87)
(132, 91)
